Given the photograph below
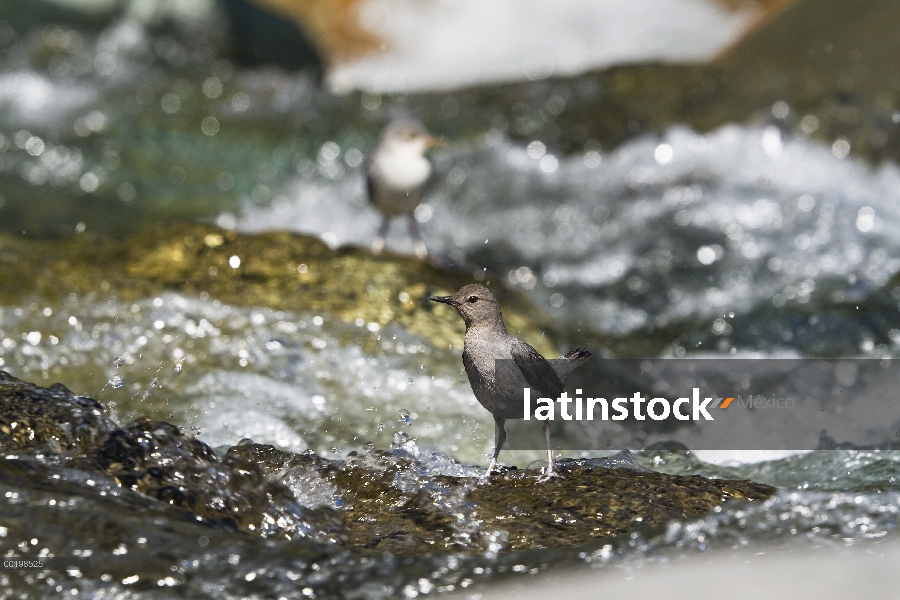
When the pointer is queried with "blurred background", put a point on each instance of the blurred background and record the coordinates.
(650, 178)
(141, 111)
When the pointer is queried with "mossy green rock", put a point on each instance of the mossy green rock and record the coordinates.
(278, 270)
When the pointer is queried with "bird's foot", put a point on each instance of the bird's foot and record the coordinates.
(545, 477)
(378, 245)
(486, 477)
(420, 249)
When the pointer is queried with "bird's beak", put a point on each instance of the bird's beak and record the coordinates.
(443, 299)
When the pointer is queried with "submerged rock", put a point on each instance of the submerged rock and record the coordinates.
(382, 501)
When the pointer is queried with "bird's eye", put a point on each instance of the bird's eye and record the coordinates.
(471, 299)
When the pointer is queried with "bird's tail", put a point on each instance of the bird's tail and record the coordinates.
(577, 357)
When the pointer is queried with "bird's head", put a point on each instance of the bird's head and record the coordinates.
(407, 135)
(475, 304)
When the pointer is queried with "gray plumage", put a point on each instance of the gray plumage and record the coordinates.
(499, 386)
(396, 174)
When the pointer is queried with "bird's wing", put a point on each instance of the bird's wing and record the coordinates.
(537, 371)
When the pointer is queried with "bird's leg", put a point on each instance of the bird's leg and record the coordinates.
(487, 474)
(418, 244)
(499, 438)
(549, 472)
(378, 242)
(549, 452)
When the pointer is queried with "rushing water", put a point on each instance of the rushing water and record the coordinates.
(740, 229)
(750, 240)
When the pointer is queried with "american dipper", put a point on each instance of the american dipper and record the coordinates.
(499, 386)
(395, 177)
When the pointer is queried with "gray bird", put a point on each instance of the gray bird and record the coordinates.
(396, 174)
(499, 386)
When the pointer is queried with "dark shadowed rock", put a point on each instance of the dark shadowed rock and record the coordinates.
(261, 37)
(153, 458)
(49, 420)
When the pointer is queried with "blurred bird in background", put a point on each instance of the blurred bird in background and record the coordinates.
(396, 174)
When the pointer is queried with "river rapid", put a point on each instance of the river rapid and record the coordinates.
(749, 240)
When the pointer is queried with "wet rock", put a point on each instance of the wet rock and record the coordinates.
(835, 37)
(128, 534)
(49, 420)
(156, 459)
(383, 501)
(391, 503)
(153, 458)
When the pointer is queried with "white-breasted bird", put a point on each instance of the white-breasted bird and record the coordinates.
(396, 174)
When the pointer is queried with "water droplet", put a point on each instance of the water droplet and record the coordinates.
(154, 383)
(119, 362)
(404, 415)
(379, 428)
(178, 368)
(410, 382)
(116, 382)
(370, 447)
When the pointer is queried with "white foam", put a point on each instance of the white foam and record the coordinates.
(448, 43)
